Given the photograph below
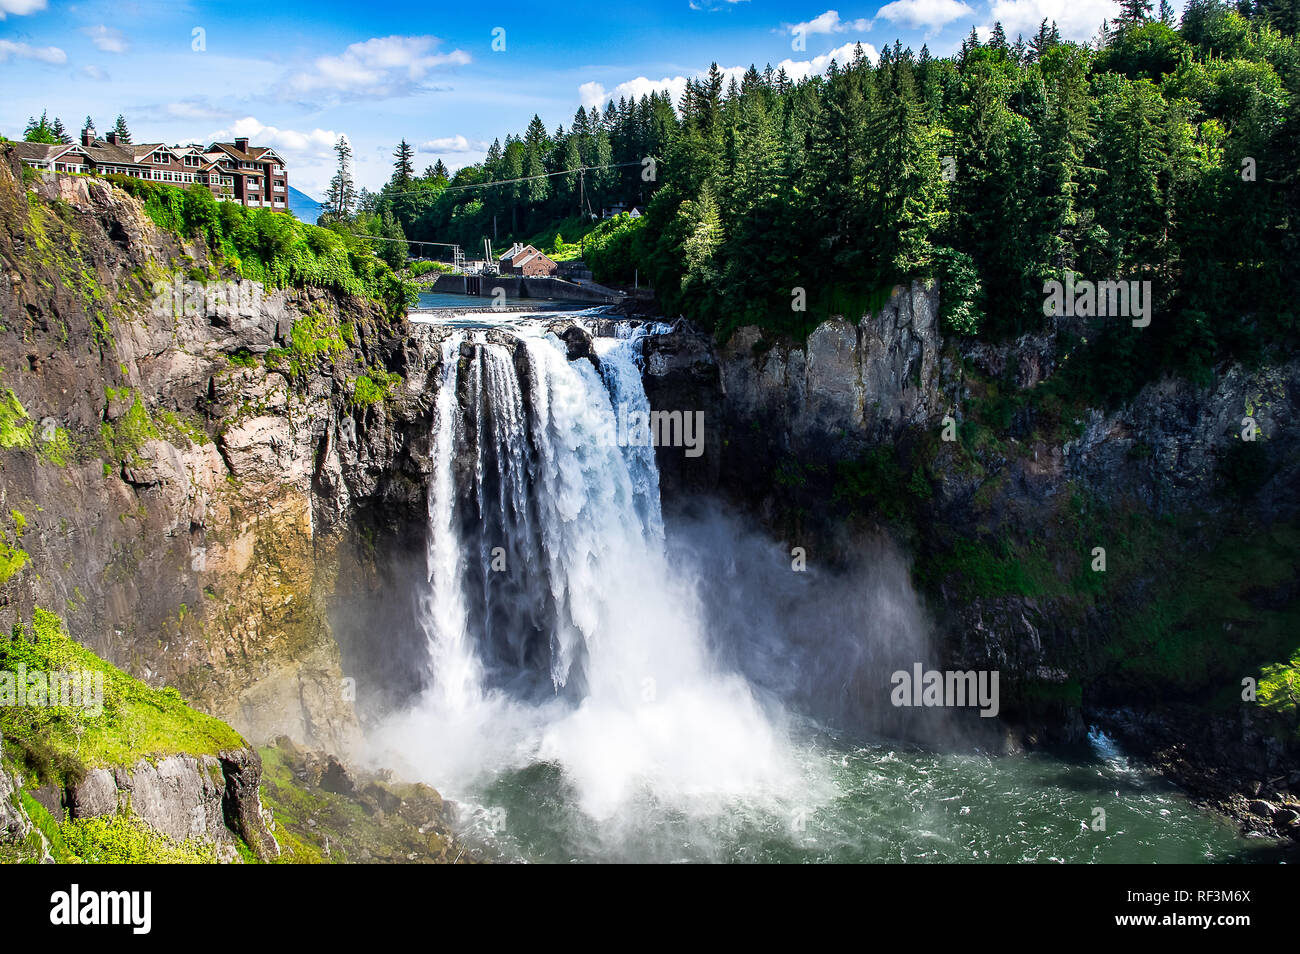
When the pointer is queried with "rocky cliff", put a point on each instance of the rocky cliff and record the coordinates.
(1106, 560)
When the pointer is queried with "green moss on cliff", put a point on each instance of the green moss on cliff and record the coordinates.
(124, 437)
(12, 558)
(130, 721)
(16, 426)
(126, 840)
(372, 388)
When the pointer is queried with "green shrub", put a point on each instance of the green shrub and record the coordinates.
(272, 247)
(126, 840)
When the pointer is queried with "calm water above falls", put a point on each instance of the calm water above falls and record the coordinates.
(629, 688)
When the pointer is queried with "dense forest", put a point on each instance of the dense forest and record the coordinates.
(1159, 153)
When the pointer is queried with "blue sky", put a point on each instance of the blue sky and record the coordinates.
(294, 75)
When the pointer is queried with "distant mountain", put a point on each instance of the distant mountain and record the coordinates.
(304, 207)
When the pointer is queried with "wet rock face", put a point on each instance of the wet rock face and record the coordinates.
(869, 379)
(188, 798)
(194, 529)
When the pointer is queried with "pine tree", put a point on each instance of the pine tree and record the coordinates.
(119, 127)
(1133, 12)
(341, 197)
(536, 147)
(40, 130)
(998, 40)
(393, 252)
(1044, 39)
(440, 172)
(403, 166)
(60, 132)
(87, 125)
(1166, 13)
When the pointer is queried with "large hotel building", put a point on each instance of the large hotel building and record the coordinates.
(251, 175)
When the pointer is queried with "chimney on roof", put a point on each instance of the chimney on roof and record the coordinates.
(241, 145)
(112, 138)
(88, 136)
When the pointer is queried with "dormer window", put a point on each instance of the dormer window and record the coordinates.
(161, 158)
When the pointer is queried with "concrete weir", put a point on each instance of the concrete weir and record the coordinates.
(516, 287)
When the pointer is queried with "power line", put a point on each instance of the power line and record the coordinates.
(484, 185)
(382, 238)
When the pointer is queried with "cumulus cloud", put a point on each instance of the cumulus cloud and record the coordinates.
(452, 144)
(798, 69)
(22, 51)
(594, 95)
(378, 67)
(925, 13)
(1076, 19)
(20, 8)
(828, 22)
(290, 143)
(107, 39)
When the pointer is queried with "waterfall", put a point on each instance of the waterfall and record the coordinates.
(557, 629)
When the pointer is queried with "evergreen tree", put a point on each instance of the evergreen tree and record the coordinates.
(60, 133)
(119, 127)
(40, 130)
(403, 166)
(341, 197)
(1133, 12)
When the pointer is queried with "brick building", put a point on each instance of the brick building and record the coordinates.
(527, 261)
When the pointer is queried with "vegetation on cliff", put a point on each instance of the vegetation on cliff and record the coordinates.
(60, 742)
(272, 247)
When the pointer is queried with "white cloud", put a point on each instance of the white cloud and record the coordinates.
(107, 39)
(382, 66)
(452, 144)
(828, 22)
(46, 54)
(595, 96)
(1077, 19)
(20, 8)
(309, 156)
(290, 143)
(92, 72)
(798, 69)
(925, 13)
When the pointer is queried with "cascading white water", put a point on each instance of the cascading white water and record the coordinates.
(575, 709)
(553, 561)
